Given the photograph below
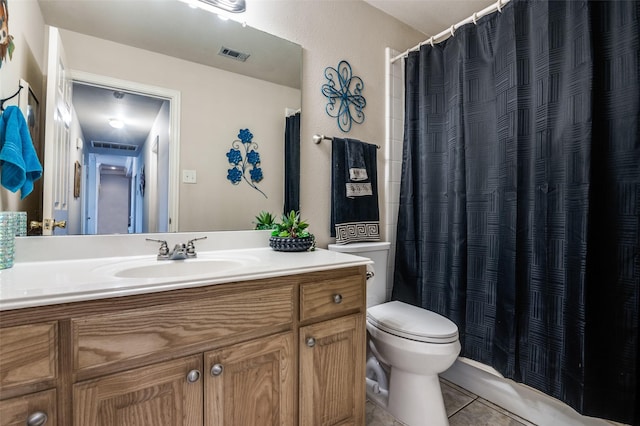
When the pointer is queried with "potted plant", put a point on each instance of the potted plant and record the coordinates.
(265, 220)
(291, 234)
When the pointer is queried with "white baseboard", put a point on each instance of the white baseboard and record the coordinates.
(522, 400)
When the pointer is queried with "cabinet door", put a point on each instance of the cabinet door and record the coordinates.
(251, 383)
(332, 372)
(28, 355)
(37, 408)
(164, 394)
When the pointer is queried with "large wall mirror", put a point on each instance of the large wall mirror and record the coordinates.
(183, 83)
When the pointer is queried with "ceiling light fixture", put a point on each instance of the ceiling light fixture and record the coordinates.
(116, 124)
(218, 7)
(234, 6)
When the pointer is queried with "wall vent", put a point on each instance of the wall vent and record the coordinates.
(114, 145)
(233, 54)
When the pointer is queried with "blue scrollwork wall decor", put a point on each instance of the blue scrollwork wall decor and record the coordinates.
(249, 162)
(344, 93)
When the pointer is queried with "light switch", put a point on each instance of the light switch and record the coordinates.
(189, 176)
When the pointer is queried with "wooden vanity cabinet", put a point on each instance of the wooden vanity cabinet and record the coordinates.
(332, 350)
(28, 364)
(180, 392)
(331, 378)
(251, 383)
(278, 351)
(164, 393)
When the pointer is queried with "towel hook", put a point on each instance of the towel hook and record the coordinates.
(2, 101)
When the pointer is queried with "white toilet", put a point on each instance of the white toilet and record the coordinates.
(409, 347)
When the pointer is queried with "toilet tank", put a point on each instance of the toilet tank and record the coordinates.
(379, 253)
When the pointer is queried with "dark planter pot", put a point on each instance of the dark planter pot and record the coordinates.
(290, 244)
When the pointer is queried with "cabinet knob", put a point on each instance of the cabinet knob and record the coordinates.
(193, 376)
(337, 298)
(217, 369)
(37, 419)
(311, 342)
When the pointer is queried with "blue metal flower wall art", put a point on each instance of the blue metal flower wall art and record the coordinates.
(344, 92)
(249, 162)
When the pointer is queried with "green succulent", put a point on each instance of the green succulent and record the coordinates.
(265, 220)
(291, 226)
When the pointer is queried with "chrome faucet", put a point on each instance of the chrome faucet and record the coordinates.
(179, 252)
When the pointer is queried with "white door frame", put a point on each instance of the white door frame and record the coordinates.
(174, 129)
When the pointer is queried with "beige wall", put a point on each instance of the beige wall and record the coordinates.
(27, 28)
(329, 31)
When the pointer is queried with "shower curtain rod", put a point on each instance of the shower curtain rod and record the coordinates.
(452, 29)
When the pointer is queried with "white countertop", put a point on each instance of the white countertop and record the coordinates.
(46, 282)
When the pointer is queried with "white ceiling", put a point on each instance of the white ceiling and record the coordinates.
(172, 28)
(95, 106)
(430, 16)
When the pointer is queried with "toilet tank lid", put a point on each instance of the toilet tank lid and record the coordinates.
(412, 322)
(359, 247)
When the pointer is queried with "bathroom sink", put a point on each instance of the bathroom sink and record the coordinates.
(178, 268)
(207, 266)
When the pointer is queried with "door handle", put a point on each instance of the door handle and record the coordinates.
(50, 224)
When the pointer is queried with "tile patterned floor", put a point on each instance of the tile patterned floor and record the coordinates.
(463, 409)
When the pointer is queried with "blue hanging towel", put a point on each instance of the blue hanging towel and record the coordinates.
(19, 162)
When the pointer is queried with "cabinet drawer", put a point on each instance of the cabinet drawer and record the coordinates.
(331, 297)
(28, 354)
(102, 340)
(16, 411)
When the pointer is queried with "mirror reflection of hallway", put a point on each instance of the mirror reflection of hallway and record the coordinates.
(127, 167)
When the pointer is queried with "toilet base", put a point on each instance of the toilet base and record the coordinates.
(416, 400)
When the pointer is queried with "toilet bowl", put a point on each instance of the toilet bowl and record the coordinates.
(407, 348)
(416, 345)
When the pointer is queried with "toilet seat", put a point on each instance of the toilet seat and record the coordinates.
(412, 322)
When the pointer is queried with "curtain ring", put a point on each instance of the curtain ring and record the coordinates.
(431, 41)
(499, 6)
(452, 29)
(475, 18)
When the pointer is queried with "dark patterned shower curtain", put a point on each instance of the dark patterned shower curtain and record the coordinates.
(519, 210)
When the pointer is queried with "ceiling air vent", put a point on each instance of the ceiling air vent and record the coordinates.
(233, 54)
(113, 145)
